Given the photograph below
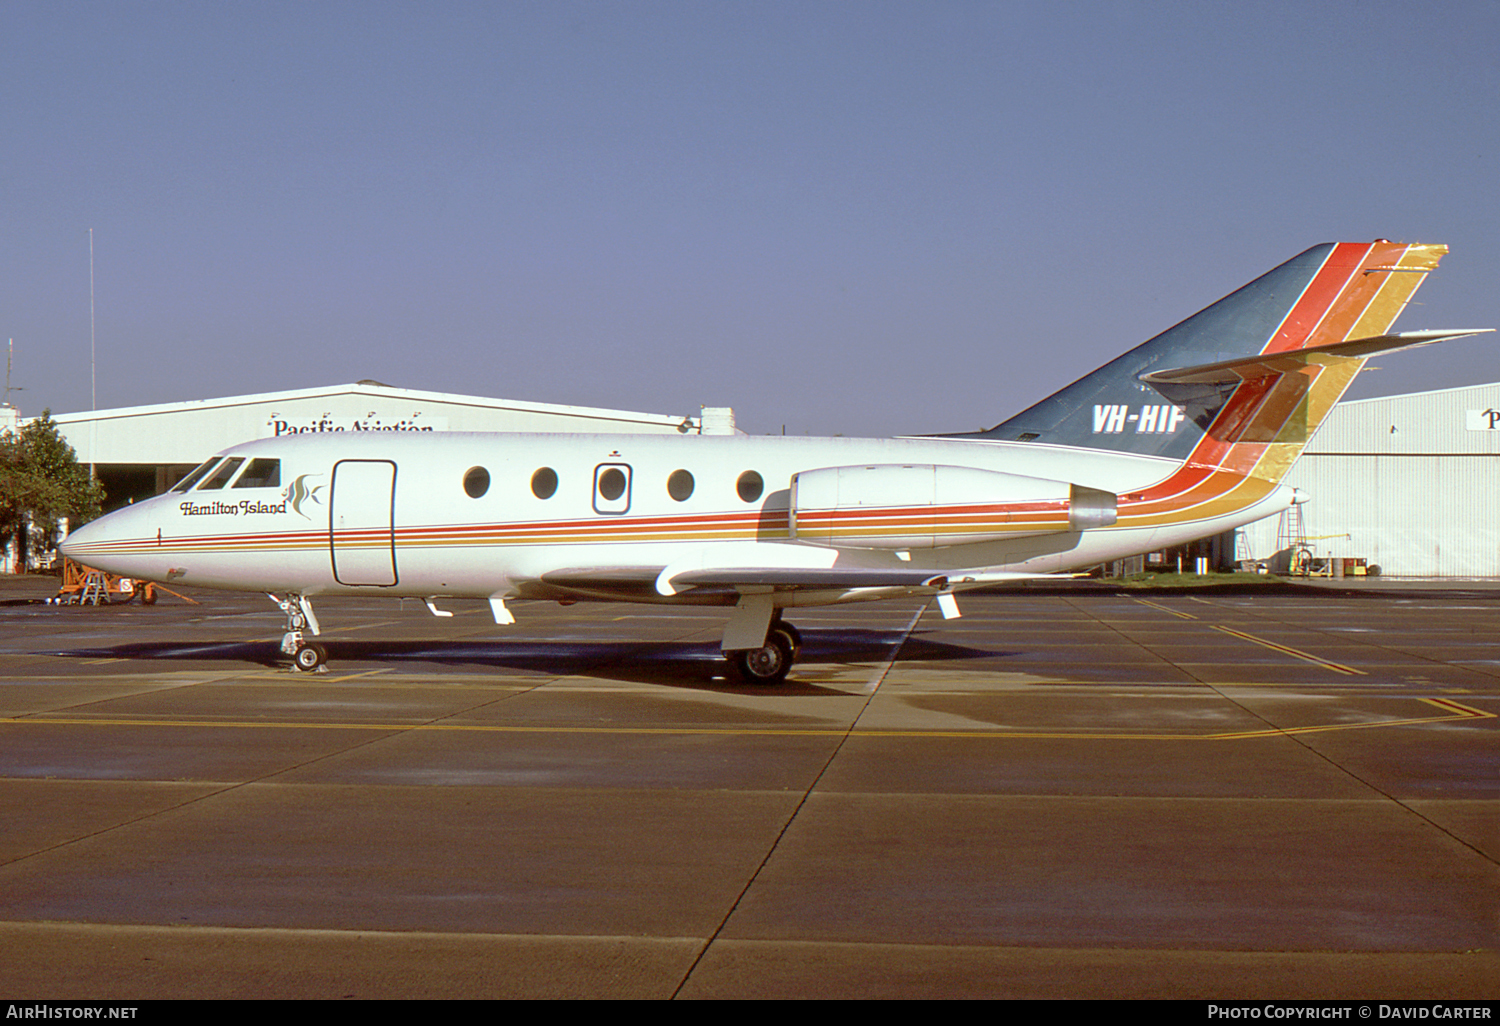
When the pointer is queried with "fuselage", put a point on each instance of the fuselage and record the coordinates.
(490, 515)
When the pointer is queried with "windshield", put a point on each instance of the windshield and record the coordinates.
(261, 473)
(221, 476)
(198, 472)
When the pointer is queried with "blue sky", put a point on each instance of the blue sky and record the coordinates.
(858, 218)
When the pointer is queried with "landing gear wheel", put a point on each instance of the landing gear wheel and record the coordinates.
(309, 657)
(792, 635)
(768, 664)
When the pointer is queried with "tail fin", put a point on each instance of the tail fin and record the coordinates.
(1196, 388)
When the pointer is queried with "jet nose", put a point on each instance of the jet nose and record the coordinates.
(77, 538)
(109, 542)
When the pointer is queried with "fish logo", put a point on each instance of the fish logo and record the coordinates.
(298, 492)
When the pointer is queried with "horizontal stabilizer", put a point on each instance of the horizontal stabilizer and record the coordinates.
(1271, 364)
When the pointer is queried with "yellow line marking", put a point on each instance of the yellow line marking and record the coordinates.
(1295, 652)
(1164, 609)
(1454, 710)
(354, 676)
(350, 627)
(286, 676)
(1331, 685)
(1460, 708)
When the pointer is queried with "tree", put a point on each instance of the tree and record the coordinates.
(41, 480)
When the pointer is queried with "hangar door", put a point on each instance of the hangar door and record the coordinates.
(362, 522)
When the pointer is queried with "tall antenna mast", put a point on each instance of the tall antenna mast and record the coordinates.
(93, 393)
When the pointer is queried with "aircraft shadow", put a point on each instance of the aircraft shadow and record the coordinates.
(696, 664)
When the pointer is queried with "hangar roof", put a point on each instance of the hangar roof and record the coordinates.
(186, 432)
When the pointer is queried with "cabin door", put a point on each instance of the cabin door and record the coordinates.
(362, 523)
(612, 488)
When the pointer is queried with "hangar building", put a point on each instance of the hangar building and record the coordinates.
(1410, 482)
(141, 451)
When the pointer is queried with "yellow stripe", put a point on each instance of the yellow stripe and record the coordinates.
(1396, 291)
(1454, 711)
(1164, 609)
(1465, 711)
(1287, 650)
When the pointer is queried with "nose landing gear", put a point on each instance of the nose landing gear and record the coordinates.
(307, 656)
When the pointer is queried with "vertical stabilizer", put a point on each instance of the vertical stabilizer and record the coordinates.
(1331, 293)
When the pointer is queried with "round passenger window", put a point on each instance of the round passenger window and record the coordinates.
(750, 486)
(680, 485)
(476, 482)
(544, 483)
(611, 484)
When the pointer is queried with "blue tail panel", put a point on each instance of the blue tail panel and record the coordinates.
(1111, 409)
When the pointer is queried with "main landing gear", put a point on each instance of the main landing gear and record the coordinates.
(307, 656)
(758, 643)
(770, 663)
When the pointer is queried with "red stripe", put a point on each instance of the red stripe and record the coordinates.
(1346, 261)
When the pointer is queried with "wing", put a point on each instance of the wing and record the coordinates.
(646, 583)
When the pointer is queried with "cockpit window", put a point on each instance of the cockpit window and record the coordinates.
(198, 472)
(261, 473)
(220, 477)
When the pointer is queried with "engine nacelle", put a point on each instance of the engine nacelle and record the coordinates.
(906, 506)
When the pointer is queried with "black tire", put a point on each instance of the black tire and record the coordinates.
(310, 657)
(767, 665)
(793, 636)
(148, 595)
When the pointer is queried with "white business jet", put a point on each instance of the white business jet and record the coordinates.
(1188, 435)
